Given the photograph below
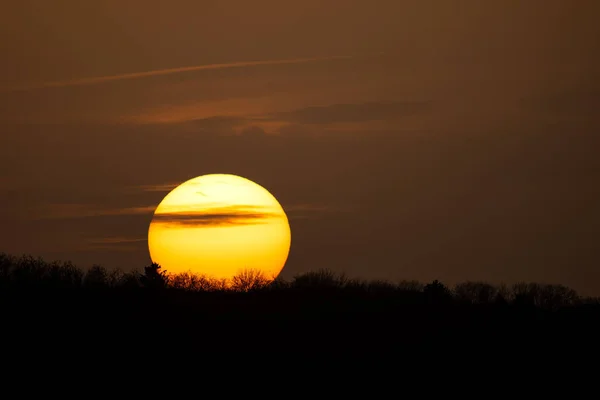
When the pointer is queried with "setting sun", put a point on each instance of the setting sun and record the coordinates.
(218, 225)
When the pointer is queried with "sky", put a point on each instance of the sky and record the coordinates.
(405, 139)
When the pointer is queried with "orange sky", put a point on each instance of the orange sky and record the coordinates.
(454, 141)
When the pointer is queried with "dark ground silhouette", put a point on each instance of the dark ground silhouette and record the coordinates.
(56, 305)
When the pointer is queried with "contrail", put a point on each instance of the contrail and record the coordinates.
(136, 75)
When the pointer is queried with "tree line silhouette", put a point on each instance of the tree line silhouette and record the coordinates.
(27, 273)
(317, 309)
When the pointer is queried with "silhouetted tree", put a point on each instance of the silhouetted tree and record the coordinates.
(129, 280)
(194, 282)
(436, 291)
(96, 277)
(381, 287)
(500, 298)
(475, 292)
(410, 286)
(523, 294)
(248, 280)
(356, 285)
(154, 277)
(558, 296)
(320, 279)
(28, 271)
(389, 310)
(6, 266)
(63, 275)
(279, 284)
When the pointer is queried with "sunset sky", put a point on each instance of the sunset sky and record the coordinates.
(405, 139)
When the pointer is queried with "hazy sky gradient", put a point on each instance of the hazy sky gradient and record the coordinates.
(457, 141)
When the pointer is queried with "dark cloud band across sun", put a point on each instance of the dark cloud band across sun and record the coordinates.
(221, 216)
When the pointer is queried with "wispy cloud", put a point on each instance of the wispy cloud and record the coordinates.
(67, 211)
(311, 211)
(259, 124)
(204, 214)
(169, 71)
(218, 125)
(159, 187)
(357, 112)
(217, 216)
(116, 240)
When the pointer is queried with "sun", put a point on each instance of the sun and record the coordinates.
(218, 225)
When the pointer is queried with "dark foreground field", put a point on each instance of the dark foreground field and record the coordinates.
(59, 307)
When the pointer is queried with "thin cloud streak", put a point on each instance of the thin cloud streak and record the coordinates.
(194, 116)
(169, 71)
(70, 211)
(161, 187)
(353, 112)
(311, 211)
(116, 240)
(214, 218)
(212, 215)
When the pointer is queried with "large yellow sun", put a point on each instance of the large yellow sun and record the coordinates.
(219, 225)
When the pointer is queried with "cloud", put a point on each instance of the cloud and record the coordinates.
(217, 216)
(169, 71)
(300, 122)
(160, 187)
(116, 240)
(68, 211)
(225, 125)
(359, 112)
(303, 122)
(253, 131)
(217, 124)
